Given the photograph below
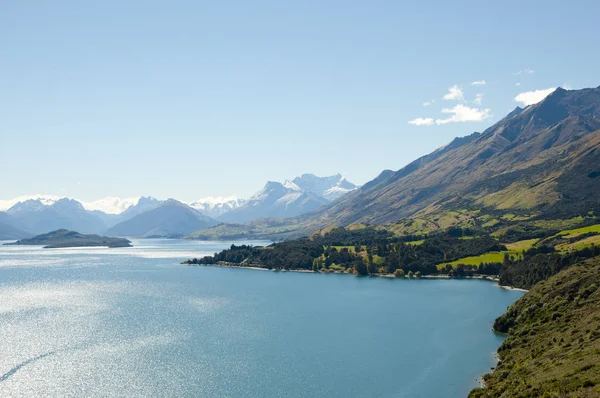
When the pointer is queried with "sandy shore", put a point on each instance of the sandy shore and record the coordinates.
(513, 288)
(483, 277)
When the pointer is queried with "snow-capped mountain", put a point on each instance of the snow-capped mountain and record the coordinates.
(330, 188)
(216, 206)
(290, 199)
(46, 200)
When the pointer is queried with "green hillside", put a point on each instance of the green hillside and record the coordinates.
(553, 344)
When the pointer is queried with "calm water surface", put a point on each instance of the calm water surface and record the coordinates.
(132, 322)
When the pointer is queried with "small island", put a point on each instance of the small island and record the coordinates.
(63, 238)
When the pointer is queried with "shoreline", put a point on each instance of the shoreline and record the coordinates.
(391, 276)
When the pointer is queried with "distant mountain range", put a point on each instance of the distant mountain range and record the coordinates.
(147, 216)
(36, 217)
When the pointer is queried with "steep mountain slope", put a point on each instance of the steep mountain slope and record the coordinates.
(144, 204)
(36, 217)
(7, 229)
(329, 188)
(171, 218)
(275, 200)
(541, 158)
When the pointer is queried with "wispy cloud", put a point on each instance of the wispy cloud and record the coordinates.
(533, 97)
(462, 113)
(455, 93)
(422, 121)
(525, 71)
(479, 83)
(517, 84)
(478, 99)
(428, 103)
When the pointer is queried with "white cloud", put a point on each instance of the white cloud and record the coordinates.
(533, 97)
(428, 103)
(525, 71)
(478, 99)
(454, 93)
(479, 83)
(111, 205)
(422, 121)
(462, 113)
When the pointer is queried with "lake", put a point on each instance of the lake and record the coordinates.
(133, 322)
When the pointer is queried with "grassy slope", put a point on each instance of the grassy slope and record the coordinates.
(581, 244)
(516, 248)
(553, 348)
(273, 229)
(489, 257)
(575, 232)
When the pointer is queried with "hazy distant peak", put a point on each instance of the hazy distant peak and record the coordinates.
(66, 204)
(45, 200)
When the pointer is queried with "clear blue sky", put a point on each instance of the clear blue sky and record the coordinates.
(188, 99)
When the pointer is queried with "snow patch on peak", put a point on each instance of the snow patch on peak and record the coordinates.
(215, 200)
(290, 185)
(215, 206)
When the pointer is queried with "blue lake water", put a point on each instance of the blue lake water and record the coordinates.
(133, 322)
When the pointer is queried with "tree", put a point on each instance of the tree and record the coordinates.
(318, 263)
(372, 268)
(359, 266)
(399, 273)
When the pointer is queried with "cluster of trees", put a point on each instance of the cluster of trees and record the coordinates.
(363, 251)
(298, 254)
(526, 271)
(462, 270)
